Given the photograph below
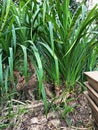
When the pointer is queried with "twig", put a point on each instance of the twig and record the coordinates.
(18, 102)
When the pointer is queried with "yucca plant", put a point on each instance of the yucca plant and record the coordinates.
(72, 38)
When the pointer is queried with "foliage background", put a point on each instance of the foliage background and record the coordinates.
(56, 39)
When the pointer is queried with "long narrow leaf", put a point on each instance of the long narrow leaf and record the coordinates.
(39, 74)
(1, 70)
(11, 64)
(25, 61)
(6, 79)
(6, 15)
(56, 62)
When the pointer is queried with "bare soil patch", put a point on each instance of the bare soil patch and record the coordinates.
(32, 115)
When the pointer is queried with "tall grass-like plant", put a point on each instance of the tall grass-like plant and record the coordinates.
(39, 71)
(6, 55)
(27, 16)
(18, 24)
(50, 59)
(18, 33)
(73, 38)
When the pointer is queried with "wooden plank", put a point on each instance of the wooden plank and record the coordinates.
(92, 78)
(92, 74)
(92, 93)
(93, 107)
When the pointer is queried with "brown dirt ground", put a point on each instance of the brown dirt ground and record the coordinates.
(32, 115)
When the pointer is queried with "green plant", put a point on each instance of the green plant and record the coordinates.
(72, 38)
(19, 28)
(6, 55)
(10, 116)
(21, 33)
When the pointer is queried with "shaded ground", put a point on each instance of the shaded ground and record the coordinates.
(68, 112)
(31, 115)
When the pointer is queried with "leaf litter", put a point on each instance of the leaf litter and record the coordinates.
(30, 115)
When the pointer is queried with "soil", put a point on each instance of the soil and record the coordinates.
(75, 115)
